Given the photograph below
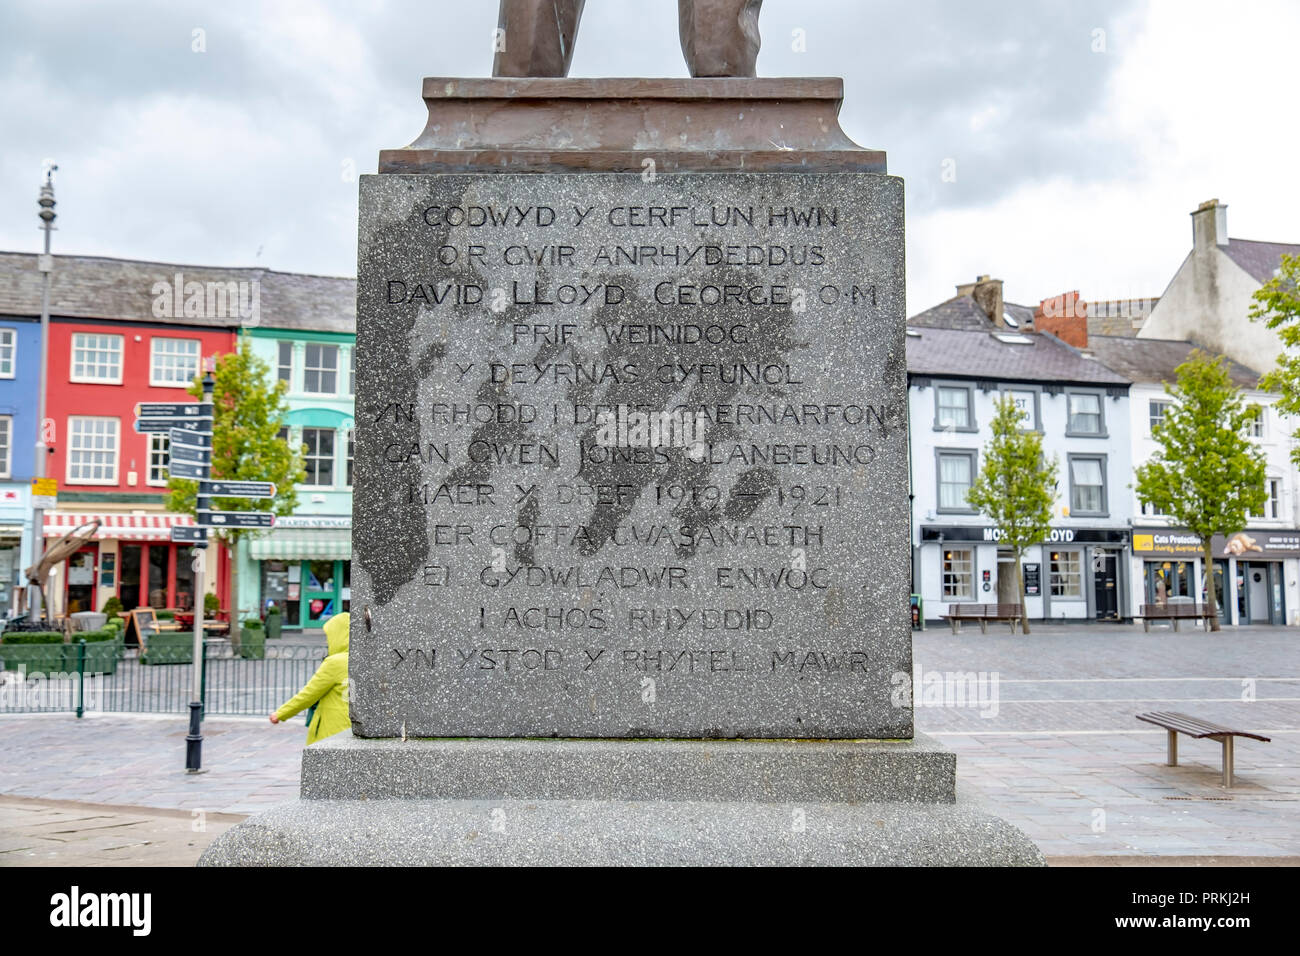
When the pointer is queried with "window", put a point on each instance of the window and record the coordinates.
(1272, 507)
(6, 445)
(1026, 400)
(1254, 422)
(92, 450)
(173, 362)
(350, 450)
(1066, 574)
(1156, 410)
(96, 358)
(284, 362)
(1088, 486)
(159, 457)
(1084, 414)
(953, 408)
(1152, 510)
(8, 350)
(352, 374)
(959, 574)
(956, 474)
(318, 460)
(321, 369)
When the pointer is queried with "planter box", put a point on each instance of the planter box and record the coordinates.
(35, 658)
(168, 647)
(252, 643)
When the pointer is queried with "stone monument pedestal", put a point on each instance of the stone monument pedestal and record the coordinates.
(514, 802)
(577, 643)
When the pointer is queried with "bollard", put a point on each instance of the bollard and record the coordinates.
(81, 677)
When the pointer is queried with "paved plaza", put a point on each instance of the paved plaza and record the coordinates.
(1042, 724)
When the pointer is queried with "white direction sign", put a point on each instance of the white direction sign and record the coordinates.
(186, 469)
(224, 488)
(173, 410)
(235, 519)
(180, 436)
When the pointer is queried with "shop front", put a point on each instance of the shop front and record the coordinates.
(304, 567)
(131, 557)
(15, 547)
(1077, 574)
(1253, 573)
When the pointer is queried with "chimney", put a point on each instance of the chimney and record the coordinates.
(1066, 317)
(987, 294)
(1209, 225)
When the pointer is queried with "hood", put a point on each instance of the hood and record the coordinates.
(336, 632)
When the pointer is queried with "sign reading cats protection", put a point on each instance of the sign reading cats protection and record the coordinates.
(631, 457)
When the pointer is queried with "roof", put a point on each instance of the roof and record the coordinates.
(1260, 259)
(94, 287)
(963, 312)
(1039, 358)
(1157, 360)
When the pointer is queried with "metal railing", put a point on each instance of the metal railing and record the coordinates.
(253, 681)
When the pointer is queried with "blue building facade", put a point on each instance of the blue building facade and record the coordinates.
(20, 359)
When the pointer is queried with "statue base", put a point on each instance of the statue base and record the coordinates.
(625, 802)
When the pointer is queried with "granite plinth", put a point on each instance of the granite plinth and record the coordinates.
(344, 767)
(568, 125)
(620, 833)
(631, 457)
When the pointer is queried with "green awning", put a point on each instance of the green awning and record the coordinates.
(305, 544)
(316, 418)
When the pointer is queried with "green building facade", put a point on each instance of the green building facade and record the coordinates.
(303, 565)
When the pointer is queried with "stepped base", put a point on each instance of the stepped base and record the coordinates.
(620, 802)
(619, 833)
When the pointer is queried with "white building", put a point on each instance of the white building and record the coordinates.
(1258, 573)
(1209, 298)
(1082, 409)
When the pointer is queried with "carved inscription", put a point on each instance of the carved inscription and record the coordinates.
(636, 438)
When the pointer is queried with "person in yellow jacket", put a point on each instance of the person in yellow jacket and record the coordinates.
(328, 688)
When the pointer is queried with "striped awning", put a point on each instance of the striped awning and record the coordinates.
(122, 526)
(305, 544)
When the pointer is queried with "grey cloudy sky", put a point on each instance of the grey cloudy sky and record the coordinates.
(1080, 133)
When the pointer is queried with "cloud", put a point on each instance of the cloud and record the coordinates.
(1074, 167)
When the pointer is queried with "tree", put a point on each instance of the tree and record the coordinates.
(1016, 487)
(1277, 303)
(248, 410)
(1206, 474)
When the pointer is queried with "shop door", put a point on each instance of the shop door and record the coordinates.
(81, 580)
(1257, 593)
(1007, 579)
(1105, 576)
(320, 582)
(1220, 576)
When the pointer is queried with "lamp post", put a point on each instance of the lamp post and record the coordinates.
(46, 265)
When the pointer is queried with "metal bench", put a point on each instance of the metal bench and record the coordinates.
(1174, 613)
(1176, 724)
(983, 613)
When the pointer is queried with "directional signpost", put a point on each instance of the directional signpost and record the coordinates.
(188, 426)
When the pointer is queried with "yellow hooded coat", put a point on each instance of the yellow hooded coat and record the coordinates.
(328, 687)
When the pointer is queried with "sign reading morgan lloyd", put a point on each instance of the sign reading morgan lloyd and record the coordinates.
(631, 457)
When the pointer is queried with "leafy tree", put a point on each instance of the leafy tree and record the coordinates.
(1206, 474)
(248, 408)
(1277, 303)
(1016, 487)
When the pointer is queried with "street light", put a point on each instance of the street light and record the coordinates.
(45, 263)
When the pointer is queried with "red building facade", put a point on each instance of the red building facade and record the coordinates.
(99, 369)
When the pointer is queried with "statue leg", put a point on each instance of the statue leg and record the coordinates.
(719, 37)
(535, 37)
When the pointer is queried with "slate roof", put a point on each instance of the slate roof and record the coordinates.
(1260, 259)
(962, 312)
(955, 353)
(94, 287)
(1156, 360)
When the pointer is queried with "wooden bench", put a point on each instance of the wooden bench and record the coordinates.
(983, 613)
(1176, 724)
(1175, 613)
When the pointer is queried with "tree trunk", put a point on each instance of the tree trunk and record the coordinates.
(232, 552)
(1211, 604)
(1020, 596)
